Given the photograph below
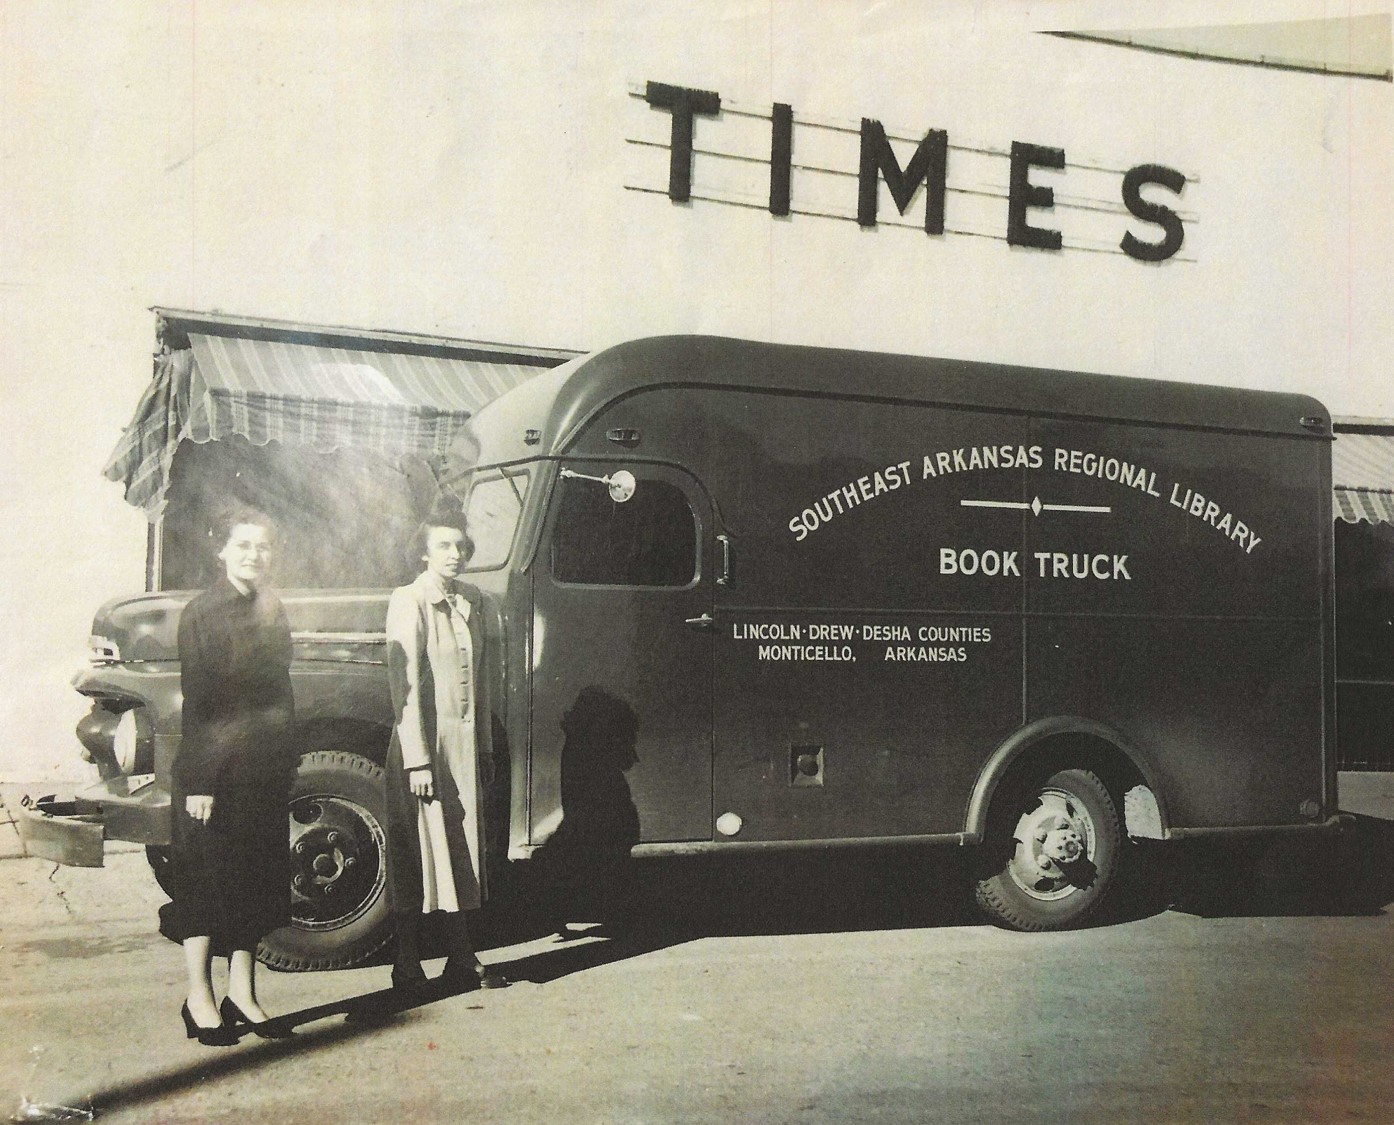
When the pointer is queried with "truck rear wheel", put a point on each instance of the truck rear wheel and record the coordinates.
(338, 860)
(1052, 852)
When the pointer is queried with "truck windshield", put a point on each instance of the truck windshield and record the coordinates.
(495, 503)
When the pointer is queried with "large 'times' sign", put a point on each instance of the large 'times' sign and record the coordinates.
(1101, 200)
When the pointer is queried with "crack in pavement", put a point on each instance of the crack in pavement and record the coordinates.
(63, 898)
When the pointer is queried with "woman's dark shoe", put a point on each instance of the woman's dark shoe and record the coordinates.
(408, 977)
(492, 978)
(467, 978)
(233, 1017)
(219, 1036)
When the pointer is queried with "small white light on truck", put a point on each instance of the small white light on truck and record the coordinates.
(729, 823)
(100, 650)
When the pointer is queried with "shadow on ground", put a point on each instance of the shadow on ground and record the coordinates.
(364, 1015)
(671, 901)
(1345, 874)
(668, 901)
(1339, 874)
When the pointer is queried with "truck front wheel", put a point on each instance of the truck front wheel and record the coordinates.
(1052, 852)
(338, 861)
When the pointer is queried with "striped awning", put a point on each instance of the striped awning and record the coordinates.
(322, 397)
(1362, 474)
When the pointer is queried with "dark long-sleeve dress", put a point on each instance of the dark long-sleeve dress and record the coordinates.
(231, 876)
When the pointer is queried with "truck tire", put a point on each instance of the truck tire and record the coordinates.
(338, 858)
(1052, 852)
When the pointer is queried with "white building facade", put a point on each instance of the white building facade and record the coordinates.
(938, 179)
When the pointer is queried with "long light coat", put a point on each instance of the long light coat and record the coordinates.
(436, 848)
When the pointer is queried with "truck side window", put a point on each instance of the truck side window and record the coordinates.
(494, 507)
(649, 540)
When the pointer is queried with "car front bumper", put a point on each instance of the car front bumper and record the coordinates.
(74, 832)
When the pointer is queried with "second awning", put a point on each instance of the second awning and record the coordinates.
(1362, 476)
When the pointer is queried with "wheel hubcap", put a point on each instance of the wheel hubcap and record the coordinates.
(336, 861)
(1050, 839)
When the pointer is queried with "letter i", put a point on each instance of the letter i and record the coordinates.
(781, 156)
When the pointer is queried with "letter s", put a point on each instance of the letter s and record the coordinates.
(1164, 217)
(796, 525)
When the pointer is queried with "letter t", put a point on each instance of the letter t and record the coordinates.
(682, 103)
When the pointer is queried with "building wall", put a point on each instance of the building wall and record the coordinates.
(472, 171)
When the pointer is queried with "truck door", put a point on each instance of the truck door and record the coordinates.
(622, 656)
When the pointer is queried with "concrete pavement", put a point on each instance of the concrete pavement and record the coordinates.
(834, 988)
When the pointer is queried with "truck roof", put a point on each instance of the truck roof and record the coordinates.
(558, 404)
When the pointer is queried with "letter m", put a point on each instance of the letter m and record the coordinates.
(929, 165)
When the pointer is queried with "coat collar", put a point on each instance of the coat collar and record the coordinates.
(436, 591)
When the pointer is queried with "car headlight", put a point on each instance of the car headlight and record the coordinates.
(125, 741)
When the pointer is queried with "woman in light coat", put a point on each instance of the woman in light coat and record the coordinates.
(435, 847)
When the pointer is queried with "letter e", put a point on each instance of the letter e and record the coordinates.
(1023, 194)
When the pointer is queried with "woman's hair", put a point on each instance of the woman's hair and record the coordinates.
(234, 515)
(446, 512)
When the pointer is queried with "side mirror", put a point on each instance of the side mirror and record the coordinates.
(621, 484)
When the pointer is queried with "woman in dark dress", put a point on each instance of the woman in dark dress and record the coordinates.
(231, 782)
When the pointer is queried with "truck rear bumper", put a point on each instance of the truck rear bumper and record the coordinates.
(74, 832)
(1337, 822)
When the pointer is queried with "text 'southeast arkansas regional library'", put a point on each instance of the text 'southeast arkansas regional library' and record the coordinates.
(947, 452)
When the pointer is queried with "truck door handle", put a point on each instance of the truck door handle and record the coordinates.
(705, 622)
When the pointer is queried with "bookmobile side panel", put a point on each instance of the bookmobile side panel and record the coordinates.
(1209, 648)
(912, 584)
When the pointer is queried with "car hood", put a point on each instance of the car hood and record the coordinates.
(145, 627)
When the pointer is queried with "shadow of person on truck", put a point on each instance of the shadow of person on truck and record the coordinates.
(584, 871)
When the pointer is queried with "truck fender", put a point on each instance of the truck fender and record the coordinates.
(1144, 805)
